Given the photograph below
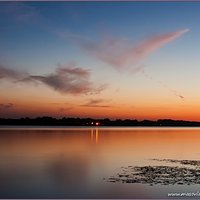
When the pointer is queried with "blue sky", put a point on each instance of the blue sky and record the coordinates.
(132, 20)
(36, 37)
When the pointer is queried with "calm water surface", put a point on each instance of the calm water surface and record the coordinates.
(73, 162)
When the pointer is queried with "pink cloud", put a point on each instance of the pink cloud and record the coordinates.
(121, 53)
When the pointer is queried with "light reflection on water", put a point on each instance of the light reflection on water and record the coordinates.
(95, 135)
(71, 163)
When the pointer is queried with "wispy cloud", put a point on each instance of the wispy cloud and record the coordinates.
(172, 91)
(67, 79)
(6, 105)
(19, 11)
(176, 93)
(121, 53)
(100, 103)
(7, 73)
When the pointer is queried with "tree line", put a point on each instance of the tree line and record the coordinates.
(50, 121)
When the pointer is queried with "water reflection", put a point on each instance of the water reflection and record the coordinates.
(71, 163)
(95, 135)
(69, 170)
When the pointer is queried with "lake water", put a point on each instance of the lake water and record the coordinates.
(75, 162)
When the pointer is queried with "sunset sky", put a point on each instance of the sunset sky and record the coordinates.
(137, 60)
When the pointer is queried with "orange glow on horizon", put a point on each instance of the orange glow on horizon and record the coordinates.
(58, 107)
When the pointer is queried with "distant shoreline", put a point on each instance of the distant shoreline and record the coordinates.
(89, 122)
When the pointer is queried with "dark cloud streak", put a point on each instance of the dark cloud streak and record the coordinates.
(6, 73)
(97, 103)
(67, 79)
(6, 106)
